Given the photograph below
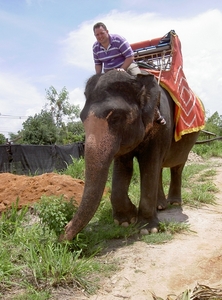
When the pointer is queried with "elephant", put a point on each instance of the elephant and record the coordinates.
(119, 121)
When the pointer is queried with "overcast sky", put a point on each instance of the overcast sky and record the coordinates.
(47, 43)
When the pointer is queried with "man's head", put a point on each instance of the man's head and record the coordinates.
(98, 25)
(101, 33)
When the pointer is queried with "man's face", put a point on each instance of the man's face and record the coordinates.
(101, 35)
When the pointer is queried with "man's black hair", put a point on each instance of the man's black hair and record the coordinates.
(99, 24)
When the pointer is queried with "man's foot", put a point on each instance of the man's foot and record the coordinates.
(161, 120)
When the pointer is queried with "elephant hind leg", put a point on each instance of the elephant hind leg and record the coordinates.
(161, 198)
(174, 195)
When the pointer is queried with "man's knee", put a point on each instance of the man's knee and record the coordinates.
(133, 69)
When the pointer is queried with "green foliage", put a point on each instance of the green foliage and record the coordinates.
(33, 295)
(74, 132)
(56, 263)
(8, 267)
(198, 188)
(39, 130)
(60, 107)
(76, 169)
(173, 227)
(157, 238)
(2, 139)
(209, 149)
(62, 111)
(167, 230)
(56, 123)
(214, 124)
(55, 213)
(11, 219)
(207, 174)
(16, 138)
(31, 259)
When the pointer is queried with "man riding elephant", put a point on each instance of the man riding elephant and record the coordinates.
(112, 51)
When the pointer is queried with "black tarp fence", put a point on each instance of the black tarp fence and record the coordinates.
(36, 160)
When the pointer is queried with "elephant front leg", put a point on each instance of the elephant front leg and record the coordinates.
(147, 214)
(124, 211)
(174, 195)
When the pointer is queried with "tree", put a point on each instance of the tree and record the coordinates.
(55, 124)
(2, 139)
(75, 133)
(62, 111)
(214, 124)
(60, 106)
(16, 138)
(39, 130)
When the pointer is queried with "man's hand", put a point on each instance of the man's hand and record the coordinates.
(121, 70)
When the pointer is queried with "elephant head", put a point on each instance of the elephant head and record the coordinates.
(118, 114)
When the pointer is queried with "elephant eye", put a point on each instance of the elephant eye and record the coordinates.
(115, 116)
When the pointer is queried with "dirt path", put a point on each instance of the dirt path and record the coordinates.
(173, 267)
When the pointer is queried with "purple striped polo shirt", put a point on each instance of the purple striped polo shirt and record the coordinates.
(113, 57)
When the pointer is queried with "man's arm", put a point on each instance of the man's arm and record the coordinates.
(127, 63)
(98, 69)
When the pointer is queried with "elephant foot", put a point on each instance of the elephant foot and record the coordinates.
(161, 207)
(125, 224)
(125, 218)
(176, 202)
(161, 203)
(149, 225)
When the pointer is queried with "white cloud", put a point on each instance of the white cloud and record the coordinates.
(18, 94)
(19, 99)
(77, 97)
(77, 47)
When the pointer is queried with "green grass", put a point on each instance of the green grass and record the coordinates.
(198, 187)
(32, 261)
(208, 150)
(55, 213)
(76, 169)
(29, 259)
(197, 184)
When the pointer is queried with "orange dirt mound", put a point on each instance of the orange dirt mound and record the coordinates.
(30, 189)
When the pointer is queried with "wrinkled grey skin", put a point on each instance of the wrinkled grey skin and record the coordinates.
(118, 118)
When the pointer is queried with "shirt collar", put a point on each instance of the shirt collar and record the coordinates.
(110, 43)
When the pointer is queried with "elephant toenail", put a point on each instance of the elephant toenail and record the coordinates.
(116, 222)
(144, 231)
(133, 220)
(125, 224)
(154, 230)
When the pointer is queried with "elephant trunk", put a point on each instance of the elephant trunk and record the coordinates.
(99, 152)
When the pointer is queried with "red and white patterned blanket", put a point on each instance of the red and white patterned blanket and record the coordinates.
(189, 112)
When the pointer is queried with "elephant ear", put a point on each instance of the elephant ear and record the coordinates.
(148, 96)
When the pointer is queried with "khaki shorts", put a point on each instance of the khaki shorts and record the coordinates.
(133, 69)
